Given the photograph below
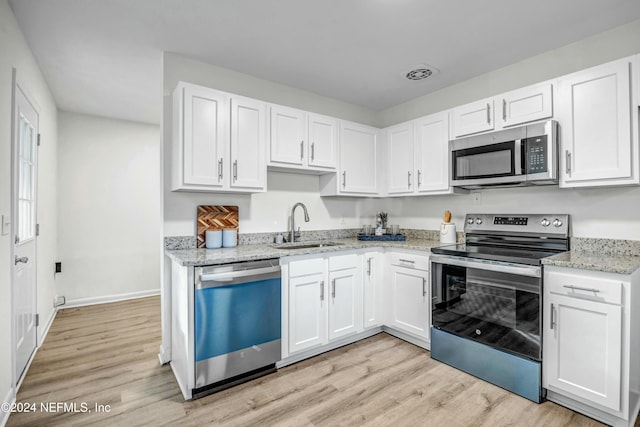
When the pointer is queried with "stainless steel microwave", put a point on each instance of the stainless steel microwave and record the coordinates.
(526, 155)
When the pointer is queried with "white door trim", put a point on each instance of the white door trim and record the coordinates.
(17, 85)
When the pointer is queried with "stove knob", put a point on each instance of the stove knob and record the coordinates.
(557, 222)
(478, 221)
(545, 222)
(470, 221)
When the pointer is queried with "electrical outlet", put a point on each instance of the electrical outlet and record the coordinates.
(477, 198)
(58, 267)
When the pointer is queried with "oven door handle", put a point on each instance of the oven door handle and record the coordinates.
(522, 270)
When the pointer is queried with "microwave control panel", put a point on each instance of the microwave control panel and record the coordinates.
(536, 158)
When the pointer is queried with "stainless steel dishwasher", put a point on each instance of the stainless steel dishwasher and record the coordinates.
(237, 323)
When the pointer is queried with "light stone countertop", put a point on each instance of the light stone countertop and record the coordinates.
(199, 257)
(610, 263)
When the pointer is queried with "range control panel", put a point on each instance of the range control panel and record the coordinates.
(550, 224)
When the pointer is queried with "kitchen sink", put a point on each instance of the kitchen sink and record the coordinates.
(306, 245)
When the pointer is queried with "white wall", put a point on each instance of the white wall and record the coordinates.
(16, 53)
(109, 207)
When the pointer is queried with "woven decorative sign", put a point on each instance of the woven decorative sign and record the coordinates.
(215, 218)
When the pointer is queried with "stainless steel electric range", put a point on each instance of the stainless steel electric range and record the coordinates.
(487, 298)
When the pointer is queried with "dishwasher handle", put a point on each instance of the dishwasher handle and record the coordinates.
(237, 277)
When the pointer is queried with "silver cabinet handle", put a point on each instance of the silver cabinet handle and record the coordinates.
(369, 266)
(488, 114)
(567, 161)
(577, 288)
(504, 110)
(322, 291)
(344, 179)
(313, 150)
(23, 259)
(409, 178)
(553, 317)
(333, 288)
(235, 170)
(424, 287)
(407, 260)
(220, 169)
(419, 178)
(301, 150)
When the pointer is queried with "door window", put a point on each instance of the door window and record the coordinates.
(25, 229)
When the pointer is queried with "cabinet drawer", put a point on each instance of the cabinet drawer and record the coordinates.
(584, 286)
(307, 267)
(343, 262)
(410, 261)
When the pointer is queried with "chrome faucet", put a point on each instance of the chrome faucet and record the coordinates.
(293, 236)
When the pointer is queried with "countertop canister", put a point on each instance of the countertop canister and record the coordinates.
(229, 237)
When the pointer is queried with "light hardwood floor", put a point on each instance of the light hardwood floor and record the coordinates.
(107, 354)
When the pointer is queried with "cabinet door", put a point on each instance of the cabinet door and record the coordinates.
(248, 135)
(526, 105)
(345, 303)
(432, 153)
(358, 158)
(205, 136)
(400, 158)
(409, 301)
(595, 118)
(287, 136)
(372, 290)
(307, 312)
(582, 349)
(473, 118)
(323, 142)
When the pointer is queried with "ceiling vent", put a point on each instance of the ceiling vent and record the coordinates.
(421, 72)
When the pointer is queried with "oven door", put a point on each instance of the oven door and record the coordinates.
(497, 304)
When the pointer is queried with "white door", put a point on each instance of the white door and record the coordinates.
(287, 136)
(595, 125)
(248, 134)
(400, 159)
(473, 118)
(409, 301)
(206, 114)
(25, 164)
(307, 312)
(345, 303)
(323, 141)
(432, 153)
(358, 158)
(372, 290)
(582, 349)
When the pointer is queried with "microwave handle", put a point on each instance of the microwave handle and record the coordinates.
(518, 154)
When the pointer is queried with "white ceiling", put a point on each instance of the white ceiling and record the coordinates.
(103, 57)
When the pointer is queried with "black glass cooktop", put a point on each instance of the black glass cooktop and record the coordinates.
(493, 253)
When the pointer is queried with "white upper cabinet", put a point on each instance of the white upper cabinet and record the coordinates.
(473, 118)
(359, 170)
(200, 138)
(218, 141)
(418, 156)
(323, 141)
(517, 107)
(302, 141)
(598, 118)
(248, 143)
(400, 153)
(431, 154)
(288, 135)
(526, 105)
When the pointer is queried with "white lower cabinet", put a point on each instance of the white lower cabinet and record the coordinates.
(307, 312)
(587, 347)
(373, 309)
(408, 294)
(345, 296)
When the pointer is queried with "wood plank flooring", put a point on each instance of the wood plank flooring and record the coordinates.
(107, 355)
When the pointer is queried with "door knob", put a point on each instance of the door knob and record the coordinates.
(23, 259)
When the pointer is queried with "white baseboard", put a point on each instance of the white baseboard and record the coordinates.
(81, 302)
(420, 342)
(44, 330)
(10, 398)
